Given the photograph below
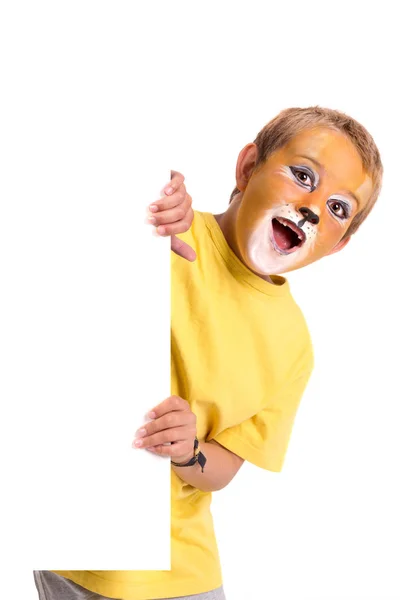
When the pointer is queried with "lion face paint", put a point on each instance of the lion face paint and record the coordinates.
(298, 205)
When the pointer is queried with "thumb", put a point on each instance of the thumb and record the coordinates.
(182, 249)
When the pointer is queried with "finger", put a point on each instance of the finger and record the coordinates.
(168, 202)
(177, 434)
(175, 228)
(176, 418)
(176, 181)
(180, 449)
(178, 227)
(182, 249)
(169, 404)
(177, 213)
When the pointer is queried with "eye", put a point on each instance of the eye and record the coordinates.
(339, 209)
(305, 177)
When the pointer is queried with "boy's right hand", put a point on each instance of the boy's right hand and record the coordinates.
(173, 214)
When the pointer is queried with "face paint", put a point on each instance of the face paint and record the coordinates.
(298, 205)
(278, 243)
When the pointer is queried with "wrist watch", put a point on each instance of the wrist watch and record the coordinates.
(198, 457)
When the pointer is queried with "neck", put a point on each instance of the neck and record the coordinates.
(226, 222)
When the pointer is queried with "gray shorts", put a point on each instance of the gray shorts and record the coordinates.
(51, 586)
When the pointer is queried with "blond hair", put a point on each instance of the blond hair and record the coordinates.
(292, 121)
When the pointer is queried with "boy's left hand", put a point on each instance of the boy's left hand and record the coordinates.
(173, 422)
(173, 214)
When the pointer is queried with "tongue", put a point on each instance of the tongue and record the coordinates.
(283, 235)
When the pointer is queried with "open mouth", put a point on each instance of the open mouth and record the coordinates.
(286, 235)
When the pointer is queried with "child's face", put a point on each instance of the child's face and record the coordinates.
(298, 205)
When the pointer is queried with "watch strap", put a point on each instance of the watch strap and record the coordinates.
(198, 457)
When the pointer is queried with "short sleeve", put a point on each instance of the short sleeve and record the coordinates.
(264, 438)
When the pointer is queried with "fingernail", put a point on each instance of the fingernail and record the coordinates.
(151, 220)
(151, 415)
(138, 443)
(161, 230)
(140, 433)
(169, 190)
(153, 207)
(151, 449)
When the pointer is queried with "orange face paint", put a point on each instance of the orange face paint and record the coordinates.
(297, 206)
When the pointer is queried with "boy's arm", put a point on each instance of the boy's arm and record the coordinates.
(172, 431)
(221, 467)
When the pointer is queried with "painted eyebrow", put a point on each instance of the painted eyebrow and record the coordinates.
(322, 168)
(313, 161)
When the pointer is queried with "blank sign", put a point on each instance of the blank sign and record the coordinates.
(84, 302)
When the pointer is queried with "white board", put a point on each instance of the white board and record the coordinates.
(84, 304)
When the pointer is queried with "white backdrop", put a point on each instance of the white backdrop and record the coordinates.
(328, 526)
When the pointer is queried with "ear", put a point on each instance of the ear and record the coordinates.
(245, 165)
(340, 245)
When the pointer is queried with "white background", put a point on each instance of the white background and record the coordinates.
(328, 526)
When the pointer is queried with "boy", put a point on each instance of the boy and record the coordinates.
(241, 352)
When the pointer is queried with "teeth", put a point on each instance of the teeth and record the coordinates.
(285, 223)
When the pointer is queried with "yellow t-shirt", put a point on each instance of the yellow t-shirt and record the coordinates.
(242, 356)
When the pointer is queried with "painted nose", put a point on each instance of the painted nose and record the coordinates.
(308, 215)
